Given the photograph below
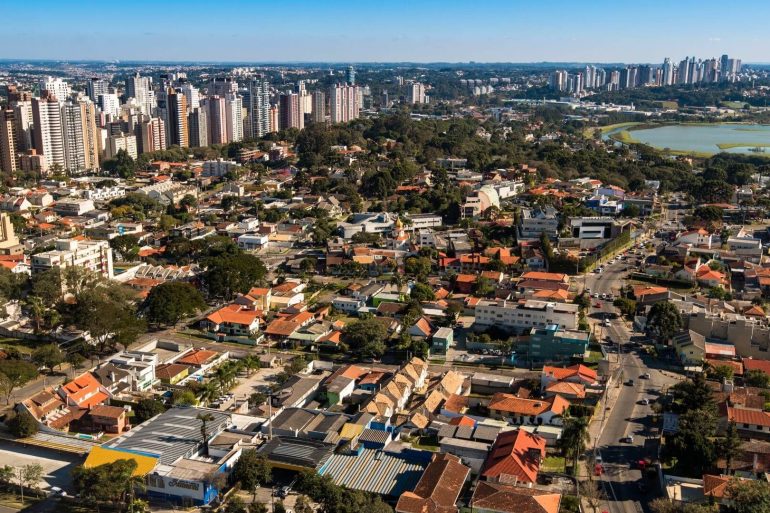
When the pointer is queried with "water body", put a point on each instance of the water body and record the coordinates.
(704, 138)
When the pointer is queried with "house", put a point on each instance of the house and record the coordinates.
(171, 373)
(202, 358)
(438, 489)
(690, 347)
(233, 320)
(84, 391)
(749, 421)
(421, 329)
(287, 294)
(648, 295)
(574, 374)
(491, 497)
(108, 419)
(515, 458)
(442, 340)
(517, 410)
(565, 389)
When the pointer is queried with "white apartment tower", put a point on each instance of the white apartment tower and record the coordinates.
(343, 103)
(49, 130)
(259, 108)
(417, 93)
(234, 117)
(56, 86)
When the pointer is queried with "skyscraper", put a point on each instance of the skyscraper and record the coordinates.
(96, 86)
(290, 113)
(222, 86)
(56, 86)
(109, 104)
(192, 94)
(343, 103)
(234, 117)
(49, 134)
(177, 118)
(140, 88)
(668, 72)
(558, 80)
(258, 107)
(417, 93)
(152, 135)
(197, 122)
(81, 146)
(216, 119)
(9, 143)
(319, 107)
(351, 75)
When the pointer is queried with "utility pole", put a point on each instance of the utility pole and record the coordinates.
(21, 484)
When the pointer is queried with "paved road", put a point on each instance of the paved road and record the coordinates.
(626, 416)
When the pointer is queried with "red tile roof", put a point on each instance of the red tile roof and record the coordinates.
(198, 357)
(753, 364)
(515, 455)
(509, 403)
(747, 416)
(438, 488)
(234, 314)
(581, 371)
(503, 498)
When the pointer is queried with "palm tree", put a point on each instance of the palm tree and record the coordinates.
(36, 310)
(205, 418)
(574, 438)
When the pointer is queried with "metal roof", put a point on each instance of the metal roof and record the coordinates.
(171, 435)
(385, 473)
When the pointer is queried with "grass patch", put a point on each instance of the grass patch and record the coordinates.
(594, 357)
(554, 464)
(20, 344)
(13, 501)
(625, 137)
(727, 146)
(669, 104)
(589, 132)
(426, 443)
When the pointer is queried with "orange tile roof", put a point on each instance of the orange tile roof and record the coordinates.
(281, 327)
(466, 278)
(170, 370)
(567, 388)
(503, 498)
(511, 404)
(234, 314)
(579, 370)
(81, 387)
(511, 456)
(755, 364)
(539, 275)
(748, 416)
(438, 489)
(198, 357)
(559, 294)
(644, 290)
(462, 420)
(715, 486)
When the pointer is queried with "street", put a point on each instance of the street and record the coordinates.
(625, 416)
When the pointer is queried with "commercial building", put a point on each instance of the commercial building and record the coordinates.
(95, 256)
(521, 317)
(550, 345)
(536, 221)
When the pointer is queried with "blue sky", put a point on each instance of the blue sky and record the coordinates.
(396, 30)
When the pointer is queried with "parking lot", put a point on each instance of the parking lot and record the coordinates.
(57, 467)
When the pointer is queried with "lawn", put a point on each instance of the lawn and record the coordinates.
(22, 345)
(13, 501)
(594, 357)
(727, 146)
(554, 464)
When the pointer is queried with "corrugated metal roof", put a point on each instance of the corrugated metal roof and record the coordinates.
(386, 473)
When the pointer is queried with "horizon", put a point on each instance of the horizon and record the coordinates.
(428, 31)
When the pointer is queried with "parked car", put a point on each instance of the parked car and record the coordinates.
(644, 401)
(646, 375)
(627, 439)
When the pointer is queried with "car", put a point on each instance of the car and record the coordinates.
(627, 439)
(630, 383)
(644, 401)
(604, 296)
(606, 323)
(646, 375)
(595, 295)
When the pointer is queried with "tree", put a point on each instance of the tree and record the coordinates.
(31, 475)
(693, 394)
(729, 446)
(110, 482)
(172, 301)
(721, 372)
(422, 292)
(7, 474)
(183, 398)
(236, 505)
(205, 418)
(302, 505)
(257, 399)
(574, 439)
(626, 306)
(251, 470)
(258, 507)
(48, 356)
(22, 425)
(148, 408)
(126, 245)
(121, 165)
(418, 267)
(748, 496)
(17, 374)
(279, 507)
(664, 320)
(753, 378)
(366, 337)
(692, 446)
(227, 275)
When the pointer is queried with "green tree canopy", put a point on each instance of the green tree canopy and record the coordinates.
(365, 337)
(664, 320)
(172, 301)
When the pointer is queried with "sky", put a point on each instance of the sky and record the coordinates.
(633, 31)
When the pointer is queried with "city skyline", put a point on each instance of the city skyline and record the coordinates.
(429, 31)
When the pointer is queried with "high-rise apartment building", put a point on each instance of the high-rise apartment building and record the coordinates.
(81, 138)
(152, 135)
(49, 130)
(192, 94)
(216, 119)
(197, 123)
(96, 256)
(274, 118)
(109, 104)
(96, 86)
(351, 75)
(558, 80)
(417, 93)
(140, 88)
(177, 118)
(290, 112)
(57, 87)
(9, 142)
(234, 117)
(343, 103)
(259, 108)
(668, 72)
(318, 114)
(222, 86)
(124, 142)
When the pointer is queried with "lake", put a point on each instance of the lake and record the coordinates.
(712, 138)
